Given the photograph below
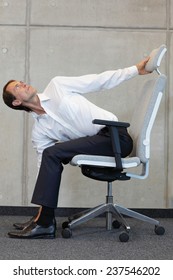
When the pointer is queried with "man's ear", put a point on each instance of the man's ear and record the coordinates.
(16, 102)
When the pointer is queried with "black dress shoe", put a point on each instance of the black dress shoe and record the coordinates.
(34, 231)
(21, 226)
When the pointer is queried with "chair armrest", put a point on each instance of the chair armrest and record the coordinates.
(111, 123)
(113, 128)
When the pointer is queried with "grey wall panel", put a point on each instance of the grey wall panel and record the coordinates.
(12, 53)
(117, 13)
(170, 17)
(42, 39)
(12, 66)
(170, 127)
(12, 12)
(11, 159)
(76, 51)
(32, 169)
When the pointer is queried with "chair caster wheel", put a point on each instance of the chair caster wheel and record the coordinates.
(66, 233)
(124, 237)
(159, 230)
(65, 224)
(116, 224)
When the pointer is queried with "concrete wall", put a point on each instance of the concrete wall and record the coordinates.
(40, 39)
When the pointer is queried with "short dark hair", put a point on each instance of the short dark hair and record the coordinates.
(8, 98)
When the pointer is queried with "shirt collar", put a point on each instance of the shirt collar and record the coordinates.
(42, 98)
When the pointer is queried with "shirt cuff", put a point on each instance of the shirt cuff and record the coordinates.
(134, 70)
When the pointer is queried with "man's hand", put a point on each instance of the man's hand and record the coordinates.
(141, 66)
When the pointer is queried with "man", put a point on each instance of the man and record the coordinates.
(64, 117)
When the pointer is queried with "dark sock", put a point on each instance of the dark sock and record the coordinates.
(46, 216)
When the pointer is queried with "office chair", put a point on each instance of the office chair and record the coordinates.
(109, 169)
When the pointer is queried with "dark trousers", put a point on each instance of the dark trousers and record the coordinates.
(49, 177)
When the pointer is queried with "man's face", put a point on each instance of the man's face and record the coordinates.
(21, 91)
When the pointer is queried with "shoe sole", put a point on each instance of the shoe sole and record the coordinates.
(50, 236)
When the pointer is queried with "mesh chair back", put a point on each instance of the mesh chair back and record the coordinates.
(144, 116)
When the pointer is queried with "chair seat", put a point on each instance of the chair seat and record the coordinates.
(105, 161)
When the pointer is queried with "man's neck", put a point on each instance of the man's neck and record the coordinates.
(39, 111)
(35, 106)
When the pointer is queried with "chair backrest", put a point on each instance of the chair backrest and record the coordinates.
(144, 116)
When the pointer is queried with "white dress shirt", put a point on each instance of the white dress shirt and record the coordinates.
(69, 114)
